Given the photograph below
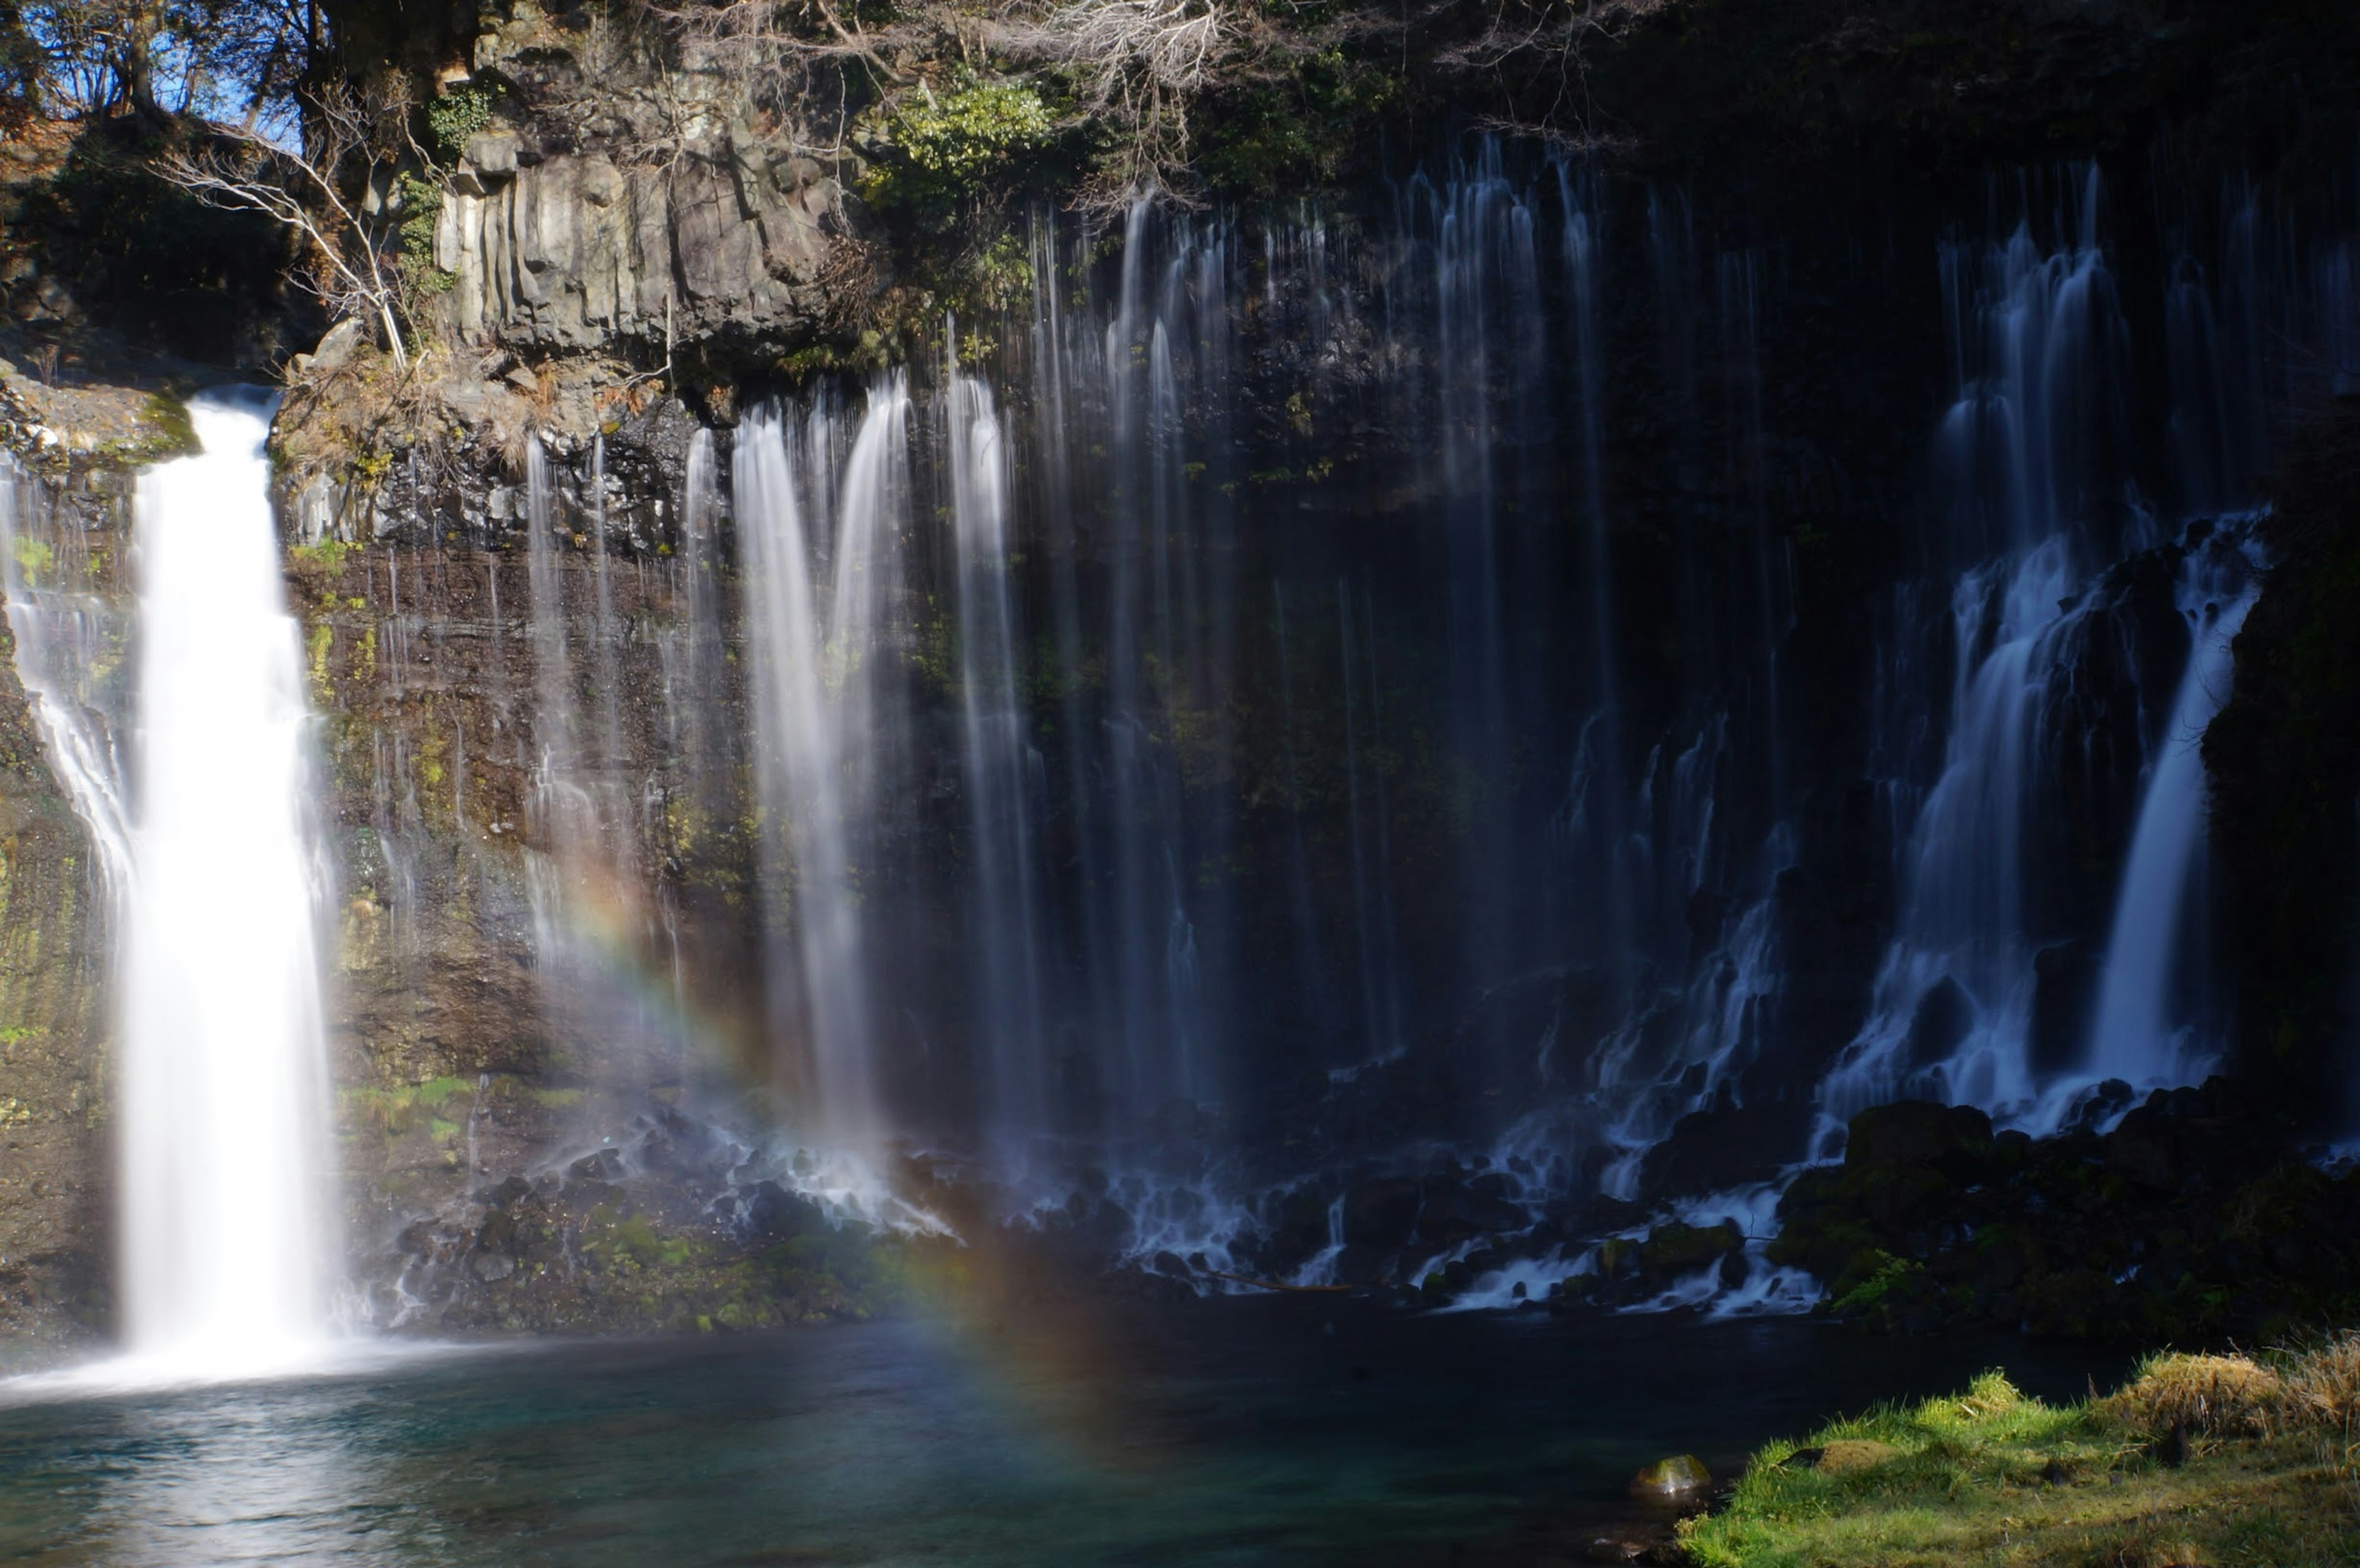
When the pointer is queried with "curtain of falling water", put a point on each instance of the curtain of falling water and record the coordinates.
(999, 766)
(228, 1205)
(1593, 695)
(821, 554)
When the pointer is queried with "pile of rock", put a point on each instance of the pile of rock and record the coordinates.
(2187, 1218)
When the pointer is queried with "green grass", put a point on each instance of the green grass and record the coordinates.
(1990, 1477)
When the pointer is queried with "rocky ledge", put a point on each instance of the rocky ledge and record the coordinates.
(2187, 1221)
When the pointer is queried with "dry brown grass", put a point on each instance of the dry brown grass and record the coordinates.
(2207, 1396)
(2322, 1385)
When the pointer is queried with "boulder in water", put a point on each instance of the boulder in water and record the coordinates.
(2064, 992)
(1381, 1212)
(604, 1165)
(773, 1213)
(1954, 1139)
(1674, 1249)
(1681, 1476)
(1944, 1018)
(1727, 1146)
(1452, 1211)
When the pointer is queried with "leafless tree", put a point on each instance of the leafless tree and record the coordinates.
(1141, 62)
(315, 193)
(1530, 47)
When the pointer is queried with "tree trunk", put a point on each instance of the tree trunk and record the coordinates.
(143, 26)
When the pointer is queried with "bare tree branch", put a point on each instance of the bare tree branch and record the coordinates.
(1141, 62)
(303, 191)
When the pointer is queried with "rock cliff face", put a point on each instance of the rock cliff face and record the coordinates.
(616, 210)
(55, 1022)
(574, 253)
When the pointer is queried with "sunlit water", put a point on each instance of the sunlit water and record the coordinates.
(1294, 1430)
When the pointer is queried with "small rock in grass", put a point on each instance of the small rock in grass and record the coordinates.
(1854, 1454)
(1845, 1454)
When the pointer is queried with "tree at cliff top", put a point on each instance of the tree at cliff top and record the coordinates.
(222, 58)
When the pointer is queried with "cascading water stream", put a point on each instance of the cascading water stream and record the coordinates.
(228, 1199)
(2135, 1036)
(1954, 998)
(2026, 457)
(63, 632)
(817, 716)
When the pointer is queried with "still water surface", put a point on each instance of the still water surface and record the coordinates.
(1232, 1432)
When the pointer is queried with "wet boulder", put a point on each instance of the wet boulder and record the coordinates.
(1729, 1145)
(1674, 1250)
(1451, 1212)
(1381, 1212)
(1954, 1139)
(768, 1211)
(2145, 1149)
(507, 1193)
(1676, 1479)
(2064, 990)
(684, 1149)
(1358, 1265)
(491, 1267)
(1296, 1229)
(1944, 1018)
(602, 1165)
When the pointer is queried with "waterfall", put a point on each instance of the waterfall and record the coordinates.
(65, 632)
(819, 578)
(1158, 371)
(1954, 1000)
(228, 1204)
(691, 648)
(1594, 796)
(2032, 448)
(998, 765)
(2134, 1038)
(2027, 458)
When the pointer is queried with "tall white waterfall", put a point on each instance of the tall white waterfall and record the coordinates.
(815, 714)
(228, 1206)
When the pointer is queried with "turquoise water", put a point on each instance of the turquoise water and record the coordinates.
(1232, 1432)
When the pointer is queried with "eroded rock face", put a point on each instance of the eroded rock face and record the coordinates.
(661, 212)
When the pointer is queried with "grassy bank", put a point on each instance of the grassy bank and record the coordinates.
(2220, 1461)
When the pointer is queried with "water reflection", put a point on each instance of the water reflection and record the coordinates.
(243, 1477)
